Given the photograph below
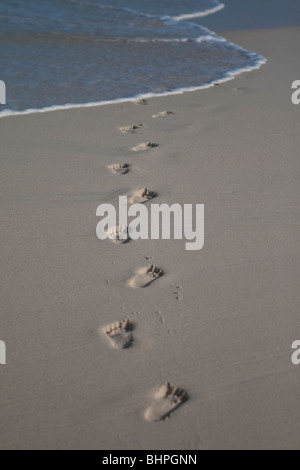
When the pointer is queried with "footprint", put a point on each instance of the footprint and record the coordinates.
(178, 293)
(167, 399)
(161, 318)
(130, 129)
(120, 334)
(119, 168)
(142, 102)
(144, 146)
(163, 114)
(145, 276)
(142, 195)
(119, 235)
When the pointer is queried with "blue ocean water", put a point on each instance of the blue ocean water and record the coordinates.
(73, 52)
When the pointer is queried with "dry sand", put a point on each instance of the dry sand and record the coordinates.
(219, 324)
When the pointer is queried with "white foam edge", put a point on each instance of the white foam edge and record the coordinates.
(199, 14)
(228, 76)
(184, 16)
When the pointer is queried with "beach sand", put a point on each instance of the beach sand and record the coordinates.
(219, 324)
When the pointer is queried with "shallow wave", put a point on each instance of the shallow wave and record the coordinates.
(161, 55)
(179, 91)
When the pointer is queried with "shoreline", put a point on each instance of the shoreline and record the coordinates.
(147, 96)
(216, 22)
(219, 323)
(228, 76)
